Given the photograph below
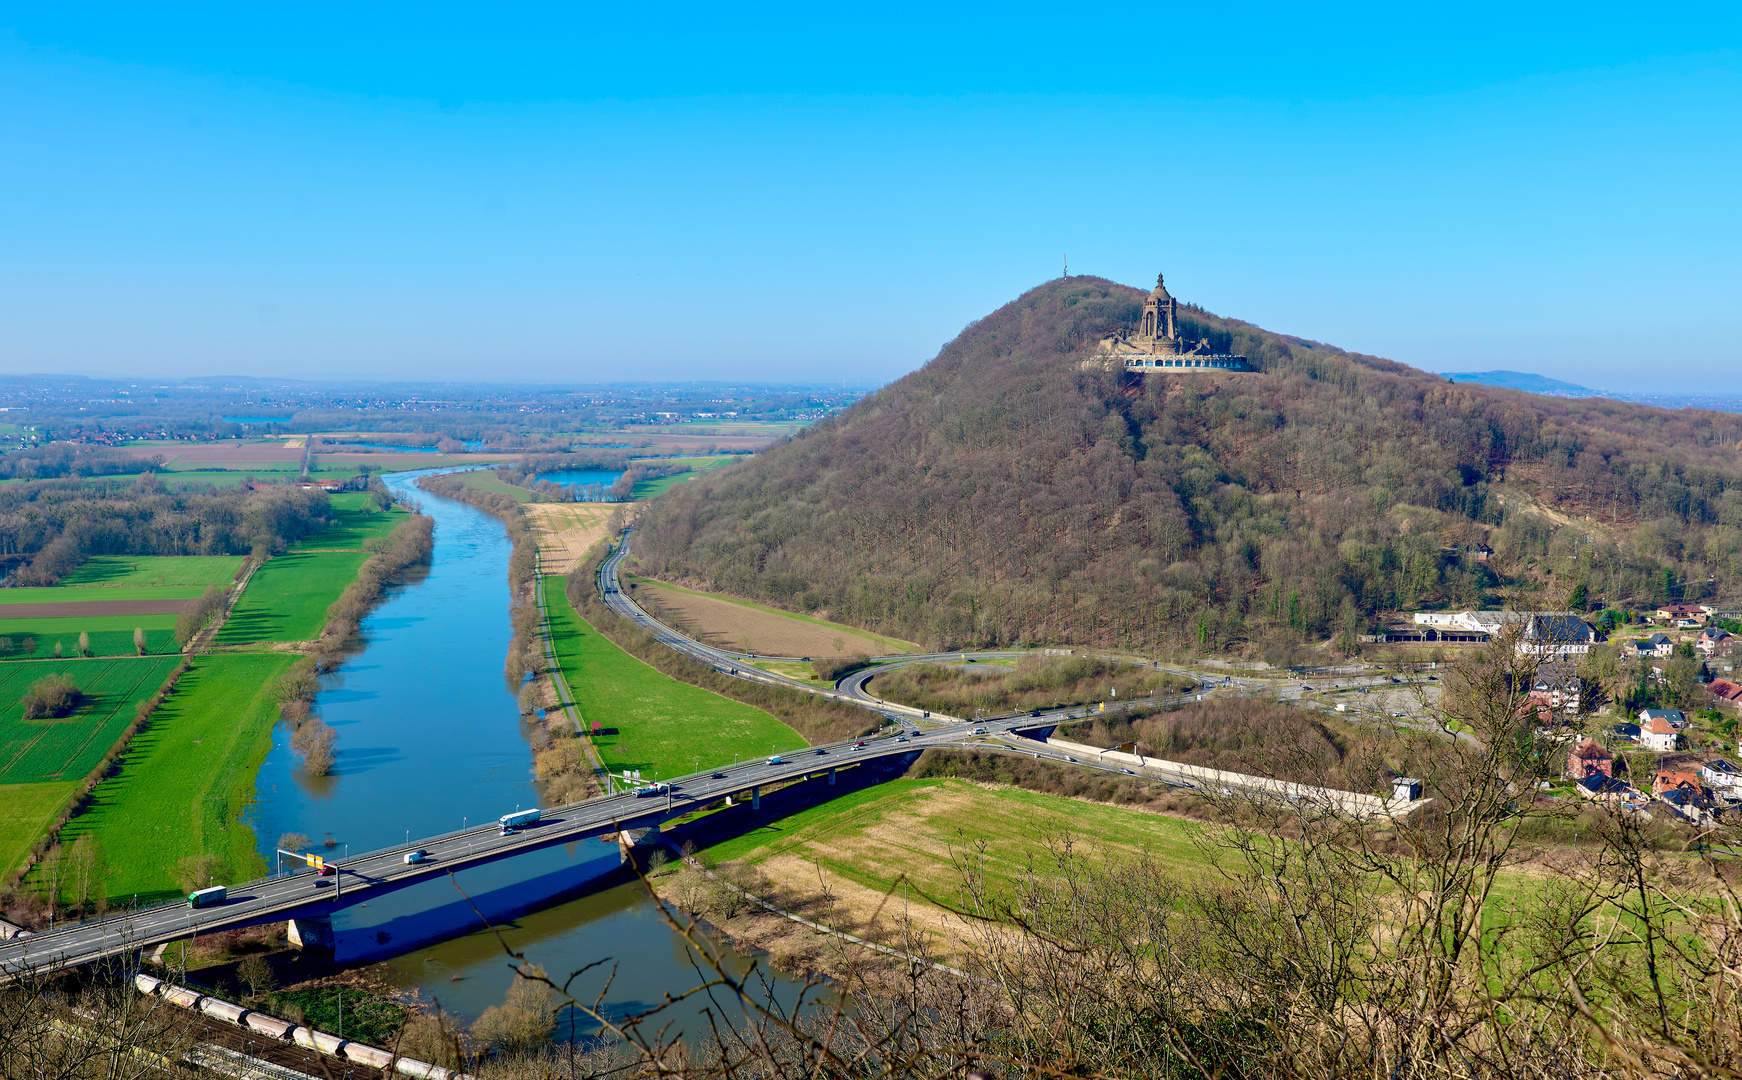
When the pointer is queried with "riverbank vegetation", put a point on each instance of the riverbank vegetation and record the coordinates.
(1030, 682)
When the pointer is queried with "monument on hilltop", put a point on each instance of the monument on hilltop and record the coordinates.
(1157, 345)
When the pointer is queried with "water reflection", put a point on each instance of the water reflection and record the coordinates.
(430, 740)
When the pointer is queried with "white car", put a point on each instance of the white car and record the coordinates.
(420, 855)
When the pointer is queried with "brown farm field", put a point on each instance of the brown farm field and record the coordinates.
(251, 452)
(79, 609)
(565, 531)
(747, 627)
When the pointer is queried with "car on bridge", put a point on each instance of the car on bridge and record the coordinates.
(420, 855)
(774, 759)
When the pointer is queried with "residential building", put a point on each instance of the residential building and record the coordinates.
(1724, 690)
(1671, 779)
(1715, 641)
(1657, 734)
(1605, 789)
(1561, 634)
(1672, 612)
(1588, 758)
(1721, 775)
(1675, 717)
(1657, 645)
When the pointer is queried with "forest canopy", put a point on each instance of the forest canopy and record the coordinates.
(1017, 491)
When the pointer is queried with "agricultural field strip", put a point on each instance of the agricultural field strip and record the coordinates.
(136, 571)
(893, 646)
(187, 779)
(116, 685)
(288, 597)
(68, 594)
(660, 722)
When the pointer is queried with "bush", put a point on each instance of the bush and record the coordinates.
(51, 696)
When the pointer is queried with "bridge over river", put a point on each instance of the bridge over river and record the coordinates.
(304, 896)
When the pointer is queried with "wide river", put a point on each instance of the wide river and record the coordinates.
(430, 739)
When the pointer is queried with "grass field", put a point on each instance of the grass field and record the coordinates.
(63, 594)
(25, 811)
(32, 751)
(134, 571)
(875, 836)
(111, 635)
(287, 599)
(354, 526)
(747, 627)
(659, 723)
(485, 480)
(648, 489)
(187, 778)
(900, 836)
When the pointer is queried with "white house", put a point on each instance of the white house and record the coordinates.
(1720, 775)
(1657, 734)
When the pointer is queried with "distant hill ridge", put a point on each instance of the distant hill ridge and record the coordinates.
(1526, 381)
(1008, 492)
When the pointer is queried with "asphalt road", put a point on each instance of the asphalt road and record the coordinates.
(305, 895)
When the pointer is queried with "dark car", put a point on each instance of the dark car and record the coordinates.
(821, 751)
(719, 776)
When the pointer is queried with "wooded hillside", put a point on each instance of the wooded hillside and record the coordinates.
(1008, 492)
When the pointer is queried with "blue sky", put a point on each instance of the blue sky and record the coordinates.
(825, 191)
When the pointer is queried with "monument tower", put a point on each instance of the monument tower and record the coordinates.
(1157, 343)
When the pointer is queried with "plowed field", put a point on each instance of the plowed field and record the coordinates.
(747, 627)
(566, 531)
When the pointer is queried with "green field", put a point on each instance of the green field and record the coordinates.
(26, 810)
(647, 489)
(908, 827)
(141, 570)
(489, 481)
(353, 525)
(64, 594)
(111, 635)
(187, 778)
(661, 724)
(287, 599)
(32, 751)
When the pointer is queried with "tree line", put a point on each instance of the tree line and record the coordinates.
(55, 525)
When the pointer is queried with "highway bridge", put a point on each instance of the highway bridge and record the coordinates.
(376, 873)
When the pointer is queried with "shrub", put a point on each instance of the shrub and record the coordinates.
(51, 696)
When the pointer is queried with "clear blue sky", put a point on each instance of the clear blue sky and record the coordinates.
(734, 191)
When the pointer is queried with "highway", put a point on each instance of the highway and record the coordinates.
(304, 895)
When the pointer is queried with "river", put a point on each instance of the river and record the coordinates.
(430, 739)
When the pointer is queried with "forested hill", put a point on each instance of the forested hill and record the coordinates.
(1009, 492)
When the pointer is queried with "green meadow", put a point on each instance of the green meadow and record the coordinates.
(658, 722)
(187, 778)
(111, 635)
(287, 599)
(142, 570)
(908, 829)
(26, 811)
(33, 751)
(353, 525)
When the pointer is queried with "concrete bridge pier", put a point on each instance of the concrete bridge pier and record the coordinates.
(756, 798)
(312, 932)
(831, 777)
(635, 845)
